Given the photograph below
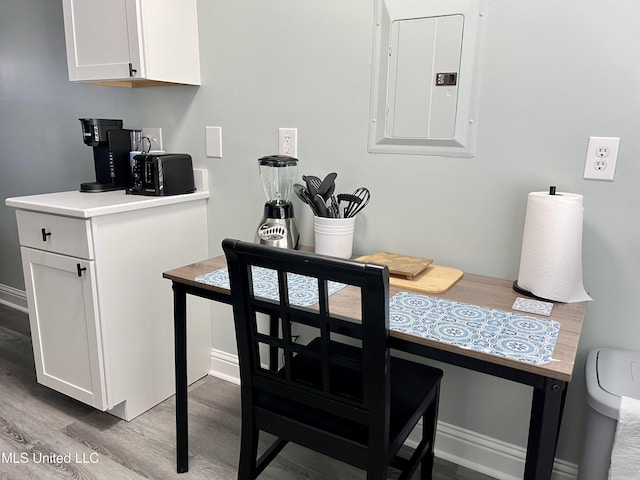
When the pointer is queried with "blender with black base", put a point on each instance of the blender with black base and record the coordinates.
(278, 227)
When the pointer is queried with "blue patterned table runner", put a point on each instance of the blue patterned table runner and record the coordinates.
(506, 334)
(303, 290)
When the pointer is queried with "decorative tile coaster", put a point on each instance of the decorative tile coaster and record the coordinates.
(507, 334)
(533, 306)
(303, 290)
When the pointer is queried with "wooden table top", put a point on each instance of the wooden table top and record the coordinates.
(472, 289)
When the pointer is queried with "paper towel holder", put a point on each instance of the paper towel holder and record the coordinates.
(574, 291)
(527, 293)
(519, 289)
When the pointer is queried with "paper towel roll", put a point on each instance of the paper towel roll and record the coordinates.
(551, 258)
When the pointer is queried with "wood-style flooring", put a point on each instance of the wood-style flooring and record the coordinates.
(47, 435)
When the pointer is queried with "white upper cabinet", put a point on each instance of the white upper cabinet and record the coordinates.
(132, 43)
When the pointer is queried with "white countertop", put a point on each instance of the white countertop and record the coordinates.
(87, 205)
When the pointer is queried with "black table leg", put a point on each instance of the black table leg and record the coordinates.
(544, 428)
(180, 339)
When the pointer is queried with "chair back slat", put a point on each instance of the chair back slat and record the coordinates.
(355, 349)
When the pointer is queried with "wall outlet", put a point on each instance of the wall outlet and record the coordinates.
(288, 142)
(152, 139)
(601, 158)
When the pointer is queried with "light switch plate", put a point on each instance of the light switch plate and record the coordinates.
(214, 141)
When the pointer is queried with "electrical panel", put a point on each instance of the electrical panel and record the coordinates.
(425, 76)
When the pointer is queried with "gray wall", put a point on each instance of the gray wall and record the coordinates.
(554, 74)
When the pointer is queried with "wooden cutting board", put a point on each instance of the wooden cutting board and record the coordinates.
(401, 265)
(434, 279)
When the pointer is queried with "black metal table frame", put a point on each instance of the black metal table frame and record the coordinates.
(546, 406)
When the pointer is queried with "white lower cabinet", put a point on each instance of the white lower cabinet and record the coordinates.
(101, 314)
(67, 343)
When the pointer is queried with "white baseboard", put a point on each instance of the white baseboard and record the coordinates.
(225, 366)
(488, 455)
(14, 298)
(469, 449)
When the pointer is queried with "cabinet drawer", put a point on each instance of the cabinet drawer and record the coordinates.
(53, 233)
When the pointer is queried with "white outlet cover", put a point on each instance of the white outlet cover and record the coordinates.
(154, 136)
(288, 142)
(214, 141)
(597, 166)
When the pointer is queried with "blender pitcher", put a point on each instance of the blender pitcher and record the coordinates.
(278, 227)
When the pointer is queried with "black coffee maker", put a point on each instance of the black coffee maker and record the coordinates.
(111, 146)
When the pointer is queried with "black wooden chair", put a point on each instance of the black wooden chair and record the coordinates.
(341, 394)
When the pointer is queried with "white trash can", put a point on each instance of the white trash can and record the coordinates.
(610, 374)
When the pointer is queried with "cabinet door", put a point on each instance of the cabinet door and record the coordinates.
(64, 322)
(101, 38)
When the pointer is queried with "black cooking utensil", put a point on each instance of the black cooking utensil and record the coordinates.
(313, 184)
(356, 206)
(328, 186)
(303, 194)
(351, 200)
(324, 188)
(334, 208)
(321, 206)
